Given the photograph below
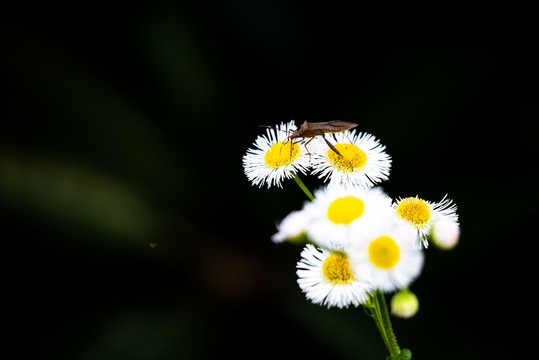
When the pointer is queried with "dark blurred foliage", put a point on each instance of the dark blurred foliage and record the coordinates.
(131, 232)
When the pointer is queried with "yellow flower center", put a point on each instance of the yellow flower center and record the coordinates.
(281, 153)
(337, 270)
(346, 209)
(353, 158)
(415, 210)
(384, 252)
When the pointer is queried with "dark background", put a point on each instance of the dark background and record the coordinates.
(130, 231)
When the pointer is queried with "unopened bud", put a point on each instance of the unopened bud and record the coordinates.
(292, 228)
(404, 304)
(445, 234)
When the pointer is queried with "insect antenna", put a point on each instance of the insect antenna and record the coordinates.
(347, 138)
(277, 128)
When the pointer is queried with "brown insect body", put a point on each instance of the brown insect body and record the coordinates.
(312, 130)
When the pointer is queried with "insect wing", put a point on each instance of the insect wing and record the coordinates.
(341, 125)
(333, 126)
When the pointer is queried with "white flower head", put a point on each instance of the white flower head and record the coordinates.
(336, 209)
(274, 157)
(422, 214)
(327, 279)
(362, 160)
(292, 227)
(386, 254)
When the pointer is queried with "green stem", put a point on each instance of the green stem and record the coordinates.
(381, 318)
(303, 187)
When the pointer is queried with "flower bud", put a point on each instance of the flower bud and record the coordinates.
(292, 228)
(445, 234)
(404, 304)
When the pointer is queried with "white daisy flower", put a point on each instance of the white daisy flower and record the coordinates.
(326, 278)
(386, 254)
(334, 210)
(275, 157)
(293, 227)
(422, 214)
(362, 159)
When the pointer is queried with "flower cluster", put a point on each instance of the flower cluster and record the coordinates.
(357, 239)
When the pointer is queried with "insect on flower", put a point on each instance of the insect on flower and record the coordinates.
(314, 129)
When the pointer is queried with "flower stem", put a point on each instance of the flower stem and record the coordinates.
(381, 318)
(303, 187)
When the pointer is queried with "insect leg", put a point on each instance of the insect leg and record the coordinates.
(284, 143)
(287, 140)
(305, 145)
(331, 146)
(292, 144)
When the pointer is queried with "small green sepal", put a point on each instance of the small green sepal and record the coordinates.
(404, 354)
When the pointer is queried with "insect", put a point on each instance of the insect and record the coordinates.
(314, 129)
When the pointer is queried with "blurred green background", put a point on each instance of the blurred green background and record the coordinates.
(130, 231)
